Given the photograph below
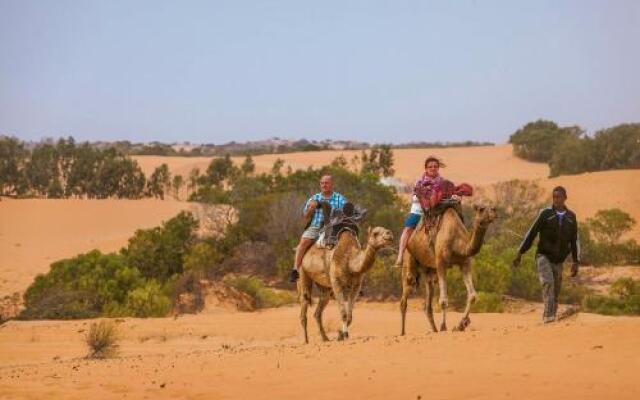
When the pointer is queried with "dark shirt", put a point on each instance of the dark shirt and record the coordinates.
(558, 235)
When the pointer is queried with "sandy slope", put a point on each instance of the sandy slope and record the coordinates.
(480, 165)
(595, 191)
(34, 233)
(225, 356)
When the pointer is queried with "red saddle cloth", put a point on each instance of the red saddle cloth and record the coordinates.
(430, 196)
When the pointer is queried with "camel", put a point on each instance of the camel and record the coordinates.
(454, 245)
(340, 271)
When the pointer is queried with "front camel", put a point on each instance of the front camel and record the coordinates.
(340, 270)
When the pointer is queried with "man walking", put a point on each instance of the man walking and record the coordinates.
(558, 229)
(312, 209)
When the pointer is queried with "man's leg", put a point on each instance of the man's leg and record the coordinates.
(308, 238)
(545, 274)
(301, 250)
(557, 285)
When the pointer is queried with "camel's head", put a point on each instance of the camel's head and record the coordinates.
(485, 213)
(380, 237)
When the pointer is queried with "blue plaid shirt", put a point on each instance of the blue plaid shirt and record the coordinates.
(335, 201)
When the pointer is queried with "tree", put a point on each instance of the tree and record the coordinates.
(192, 185)
(537, 140)
(618, 147)
(42, 168)
(158, 253)
(276, 169)
(378, 162)
(609, 225)
(219, 170)
(177, 183)
(573, 155)
(12, 159)
(158, 182)
(248, 167)
(385, 160)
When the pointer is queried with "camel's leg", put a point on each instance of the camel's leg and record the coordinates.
(442, 284)
(408, 272)
(428, 302)
(471, 294)
(304, 294)
(342, 305)
(325, 295)
(351, 301)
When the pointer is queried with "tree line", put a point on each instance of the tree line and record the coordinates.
(569, 150)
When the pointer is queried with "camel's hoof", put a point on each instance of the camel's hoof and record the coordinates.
(343, 335)
(462, 325)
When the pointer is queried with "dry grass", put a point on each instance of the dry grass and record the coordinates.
(102, 340)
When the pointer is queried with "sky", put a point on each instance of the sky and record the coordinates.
(376, 71)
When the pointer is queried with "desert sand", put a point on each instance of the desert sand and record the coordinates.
(222, 354)
(34, 233)
(232, 355)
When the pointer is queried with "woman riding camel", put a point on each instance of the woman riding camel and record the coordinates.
(428, 192)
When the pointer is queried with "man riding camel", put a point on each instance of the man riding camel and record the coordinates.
(313, 211)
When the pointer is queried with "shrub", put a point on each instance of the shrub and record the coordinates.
(158, 253)
(201, 257)
(383, 281)
(148, 301)
(488, 303)
(536, 140)
(102, 339)
(81, 287)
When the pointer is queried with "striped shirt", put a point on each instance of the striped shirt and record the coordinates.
(336, 201)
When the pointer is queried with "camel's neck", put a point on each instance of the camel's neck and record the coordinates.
(364, 260)
(475, 241)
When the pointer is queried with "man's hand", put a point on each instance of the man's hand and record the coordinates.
(313, 204)
(516, 261)
(574, 269)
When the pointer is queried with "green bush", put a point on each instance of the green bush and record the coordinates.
(383, 281)
(201, 257)
(569, 151)
(488, 303)
(82, 286)
(158, 253)
(148, 301)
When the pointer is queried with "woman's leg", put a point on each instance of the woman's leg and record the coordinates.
(404, 239)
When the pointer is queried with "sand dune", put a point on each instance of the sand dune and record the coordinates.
(35, 233)
(479, 166)
(224, 356)
(595, 191)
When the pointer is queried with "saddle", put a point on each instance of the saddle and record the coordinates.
(338, 221)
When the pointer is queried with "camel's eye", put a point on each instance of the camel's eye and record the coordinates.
(481, 209)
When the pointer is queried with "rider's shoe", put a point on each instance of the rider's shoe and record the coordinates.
(293, 275)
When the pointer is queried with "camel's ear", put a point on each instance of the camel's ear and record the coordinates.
(369, 231)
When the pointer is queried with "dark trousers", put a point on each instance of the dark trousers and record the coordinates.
(550, 275)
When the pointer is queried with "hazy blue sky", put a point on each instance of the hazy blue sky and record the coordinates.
(392, 71)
